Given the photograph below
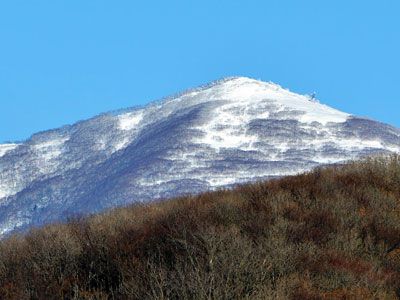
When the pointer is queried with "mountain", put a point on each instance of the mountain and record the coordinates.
(231, 131)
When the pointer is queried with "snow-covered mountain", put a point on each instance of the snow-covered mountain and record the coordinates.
(231, 131)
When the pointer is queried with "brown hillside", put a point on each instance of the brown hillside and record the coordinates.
(328, 234)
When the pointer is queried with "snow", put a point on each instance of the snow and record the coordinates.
(5, 191)
(227, 128)
(47, 154)
(5, 188)
(129, 126)
(4, 148)
(244, 101)
(130, 120)
(50, 149)
(246, 91)
(121, 144)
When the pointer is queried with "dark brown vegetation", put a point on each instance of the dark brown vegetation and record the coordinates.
(328, 234)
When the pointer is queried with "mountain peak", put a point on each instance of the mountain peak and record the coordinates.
(242, 81)
(238, 79)
(250, 93)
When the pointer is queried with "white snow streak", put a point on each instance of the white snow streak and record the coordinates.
(47, 154)
(4, 148)
(131, 120)
(227, 128)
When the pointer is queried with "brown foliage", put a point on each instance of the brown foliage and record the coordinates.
(329, 234)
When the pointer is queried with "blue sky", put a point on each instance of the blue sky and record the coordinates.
(62, 61)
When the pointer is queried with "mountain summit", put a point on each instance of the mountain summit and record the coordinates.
(231, 131)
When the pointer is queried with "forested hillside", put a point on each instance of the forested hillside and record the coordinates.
(333, 233)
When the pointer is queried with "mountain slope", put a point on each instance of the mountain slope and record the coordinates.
(333, 233)
(231, 131)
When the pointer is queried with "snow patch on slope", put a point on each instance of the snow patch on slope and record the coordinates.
(5, 191)
(122, 144)
(130, 120)
(50, 149)
(47, 154)
(227, 128)
(4, 148)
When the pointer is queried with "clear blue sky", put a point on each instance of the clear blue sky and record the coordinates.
(62, 61)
